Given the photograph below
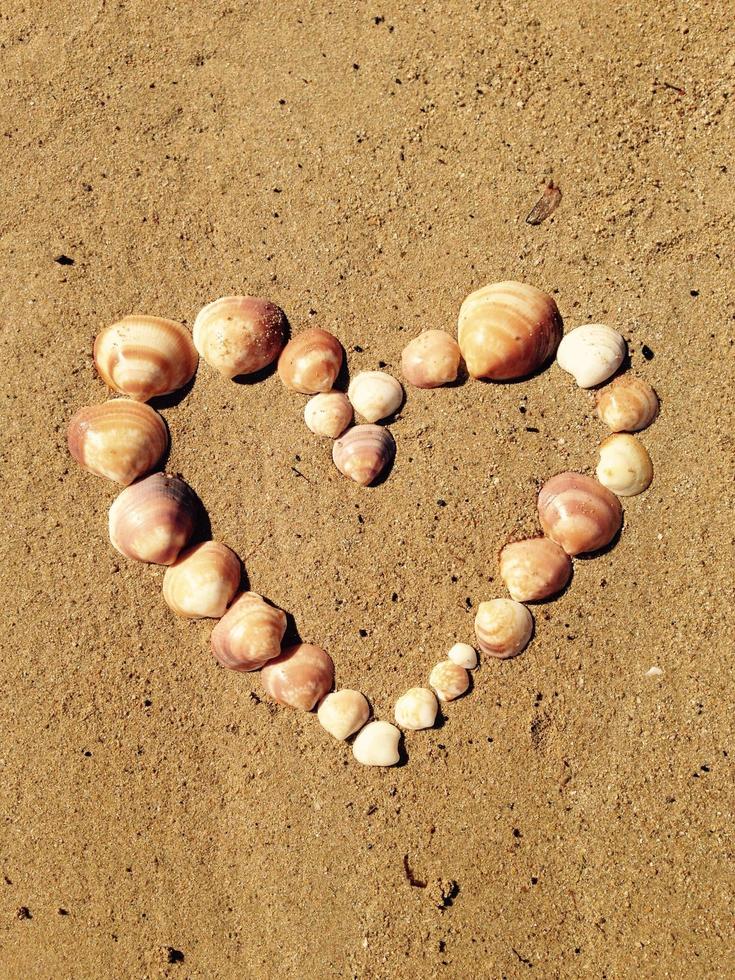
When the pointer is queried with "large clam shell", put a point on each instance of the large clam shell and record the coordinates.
(239, 335)
(153, 519)
(363, 453)
(300, 677)
(579, 513)
(120, 439)
(249, 634)
(202, 581)
(625, 466)
(591, 354)
(310, 362)
(629, 404)
(430, 360)
(534, 569)
(375, 395)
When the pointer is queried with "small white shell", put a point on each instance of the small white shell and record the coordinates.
(416, 709)
(503, 627)
(591, 354)
(449, 680)
(377, 744)
(463, 655)
(328, 414)
(342, 713)
(375, 395)
(625, 466)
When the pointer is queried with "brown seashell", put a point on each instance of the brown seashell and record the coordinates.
(534, 569)
(625, 466)
(579, 513)
(153, 519)
(120, 439)
(202, 581)
(240, 334)
(629, 404)
(145, 356)
(249, 634)
(363, 452)
(300, 677)
(328, 414)
(503, 628)
(508, 330)
(431, 359)
(310, 362)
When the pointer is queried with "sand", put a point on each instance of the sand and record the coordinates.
(366, 166)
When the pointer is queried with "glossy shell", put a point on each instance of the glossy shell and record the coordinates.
(363, 453)
(202, 581)
(579, 513)
(625, 466)
(534, 569)
(120, 439)
(328, 414)
(503, 628)
(449, 680)
(375, 395)
(463, 655)
(153, 519)
(377, 744)
(300, 677)
(629, 404)
(239, 335)
(430, 360)
(591, 354)
(310, 362)
(249, 634)
(416, 709)
(343, 713)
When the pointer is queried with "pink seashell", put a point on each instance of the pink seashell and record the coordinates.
(239, 335)
(503, 628)
(300, 677)
(579, 513)
(534, 569)
(121, 439)
(249, 634)
(363, 452)
(430, 360)
(629, 404)
(153, 519)
(202, 581)
(310, 362)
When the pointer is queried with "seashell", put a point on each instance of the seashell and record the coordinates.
(328, 414)
(375, 395)
(300, 677)
(153, 519)
(431, 359)
(377, 744)
(534, 569)
(249, 634)
(310, 362)
(363, 452)
(625, 466)
(121, 439)
(343, 713)
(503, 628)
(579, 513)
(629, 404)
(416, 709)
(145, 356)
(591, 354)
(449, 680)
(508, 330)
(202, 581)
(464, 655)
(240, 334)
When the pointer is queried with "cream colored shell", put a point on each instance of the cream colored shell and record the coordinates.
(342, 713)
(416, 709)
(449, 680)
(377, 744)
(625, 466)
(328, 414)
(591, 354)
(464, 655)
(202, 581)
(503, 627)
(375, 395)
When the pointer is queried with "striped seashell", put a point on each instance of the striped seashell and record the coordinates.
(377, 744)
(239, 335)
(202, 581)
(591, 354)
(310, 362)
(375, 395)
(363, 453)
(579, 513)
(249, 634)
(503, 628)
(328, 414)
(534, 569)
(629, 404)
(625, 466)
(430, 360)
(300, 677)
(342, 713)
(449, 680)
(120, 439)
(153, 519)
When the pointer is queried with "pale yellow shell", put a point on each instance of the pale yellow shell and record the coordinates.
(416, 709)
(328, 414)
(375, 395)
(377, 744)
(464, 655)
(449, 680)
(503, 628)
(202, 581)
(249, 634)
(534, 569)
(625, 466)
(239, 335)
(629, 404)
(591, 354)
(342, 713)
(430, 360)
(121, 439)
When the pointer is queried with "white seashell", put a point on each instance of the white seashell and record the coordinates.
(464, 655)
(328, 414)
(591, 354)
(625, 466)
(503, 627)
(449, 680)
(375, 395)
(377, 744)
(654, 672)
(416, 709)
(342, 713)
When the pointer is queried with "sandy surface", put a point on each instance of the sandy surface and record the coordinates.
(366, 166)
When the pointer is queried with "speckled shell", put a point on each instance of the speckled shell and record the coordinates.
(629, 404)
(534, 569)
(579, 513)
(625, 466)
(508, 330)
(153, 519)
(449, 680)
(300, 677)
(591, 354)
(343, 713)
(328, 414)
(120, 439)
(416, 709)
(310, 362)
(375, 395)
(363, 452)
(145, 356)
(239, 335)
(503, 628)
(430, 360)
(249, 634)
(377, 744)
(202, 581)
(464, 655)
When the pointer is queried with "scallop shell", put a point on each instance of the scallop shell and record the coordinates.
(375, 395)
(625, 466)
(328, 414)
(300, 677)
(153, 519)
(249, 634)
(145, 356)
(363, 452)
(310, 362)
(591, 354)
(449, 680)
(239, 335)
(202, 581)
(121, 439)
(629, 404)
(431, 359)
(416, 709)
(579, 513)
(508, 330)
(343, 713)
(534, 569)
(464, 655)
(377, 744)
(503, 628)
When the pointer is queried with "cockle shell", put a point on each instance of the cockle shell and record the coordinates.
(508, 330)
(202, 581)
(120, 439)
(375, 395)
(629, 404)
(328, 414)
(239, 335)
(449, 680)
(464, 655)
(625, 466)
(249, 634)
(377, 744)
(310, 362)
(153, 519)
(416, 709)
(534, 569)
(145, 356)
(342, 713)
(363, 452)
(431, 359)
(579, 513)
(503, 628)
(591, 354)
(300, 677)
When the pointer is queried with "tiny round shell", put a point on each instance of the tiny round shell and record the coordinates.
(238, 335)
(145, 356)
(249, 634)
(343, 713)
(202, 581)
(464, 655)
(534, 569)
(310, 362)
(431, 359)
(629, 404)
(449, 680)
(328, 414)
(579, 513)
(416, 709)
(591, 354)
(375, 395)
(377, 744)
(153, 519)
(363, 453)
(503, 628)
(300, 677)
(625, 466)
(121, 439)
